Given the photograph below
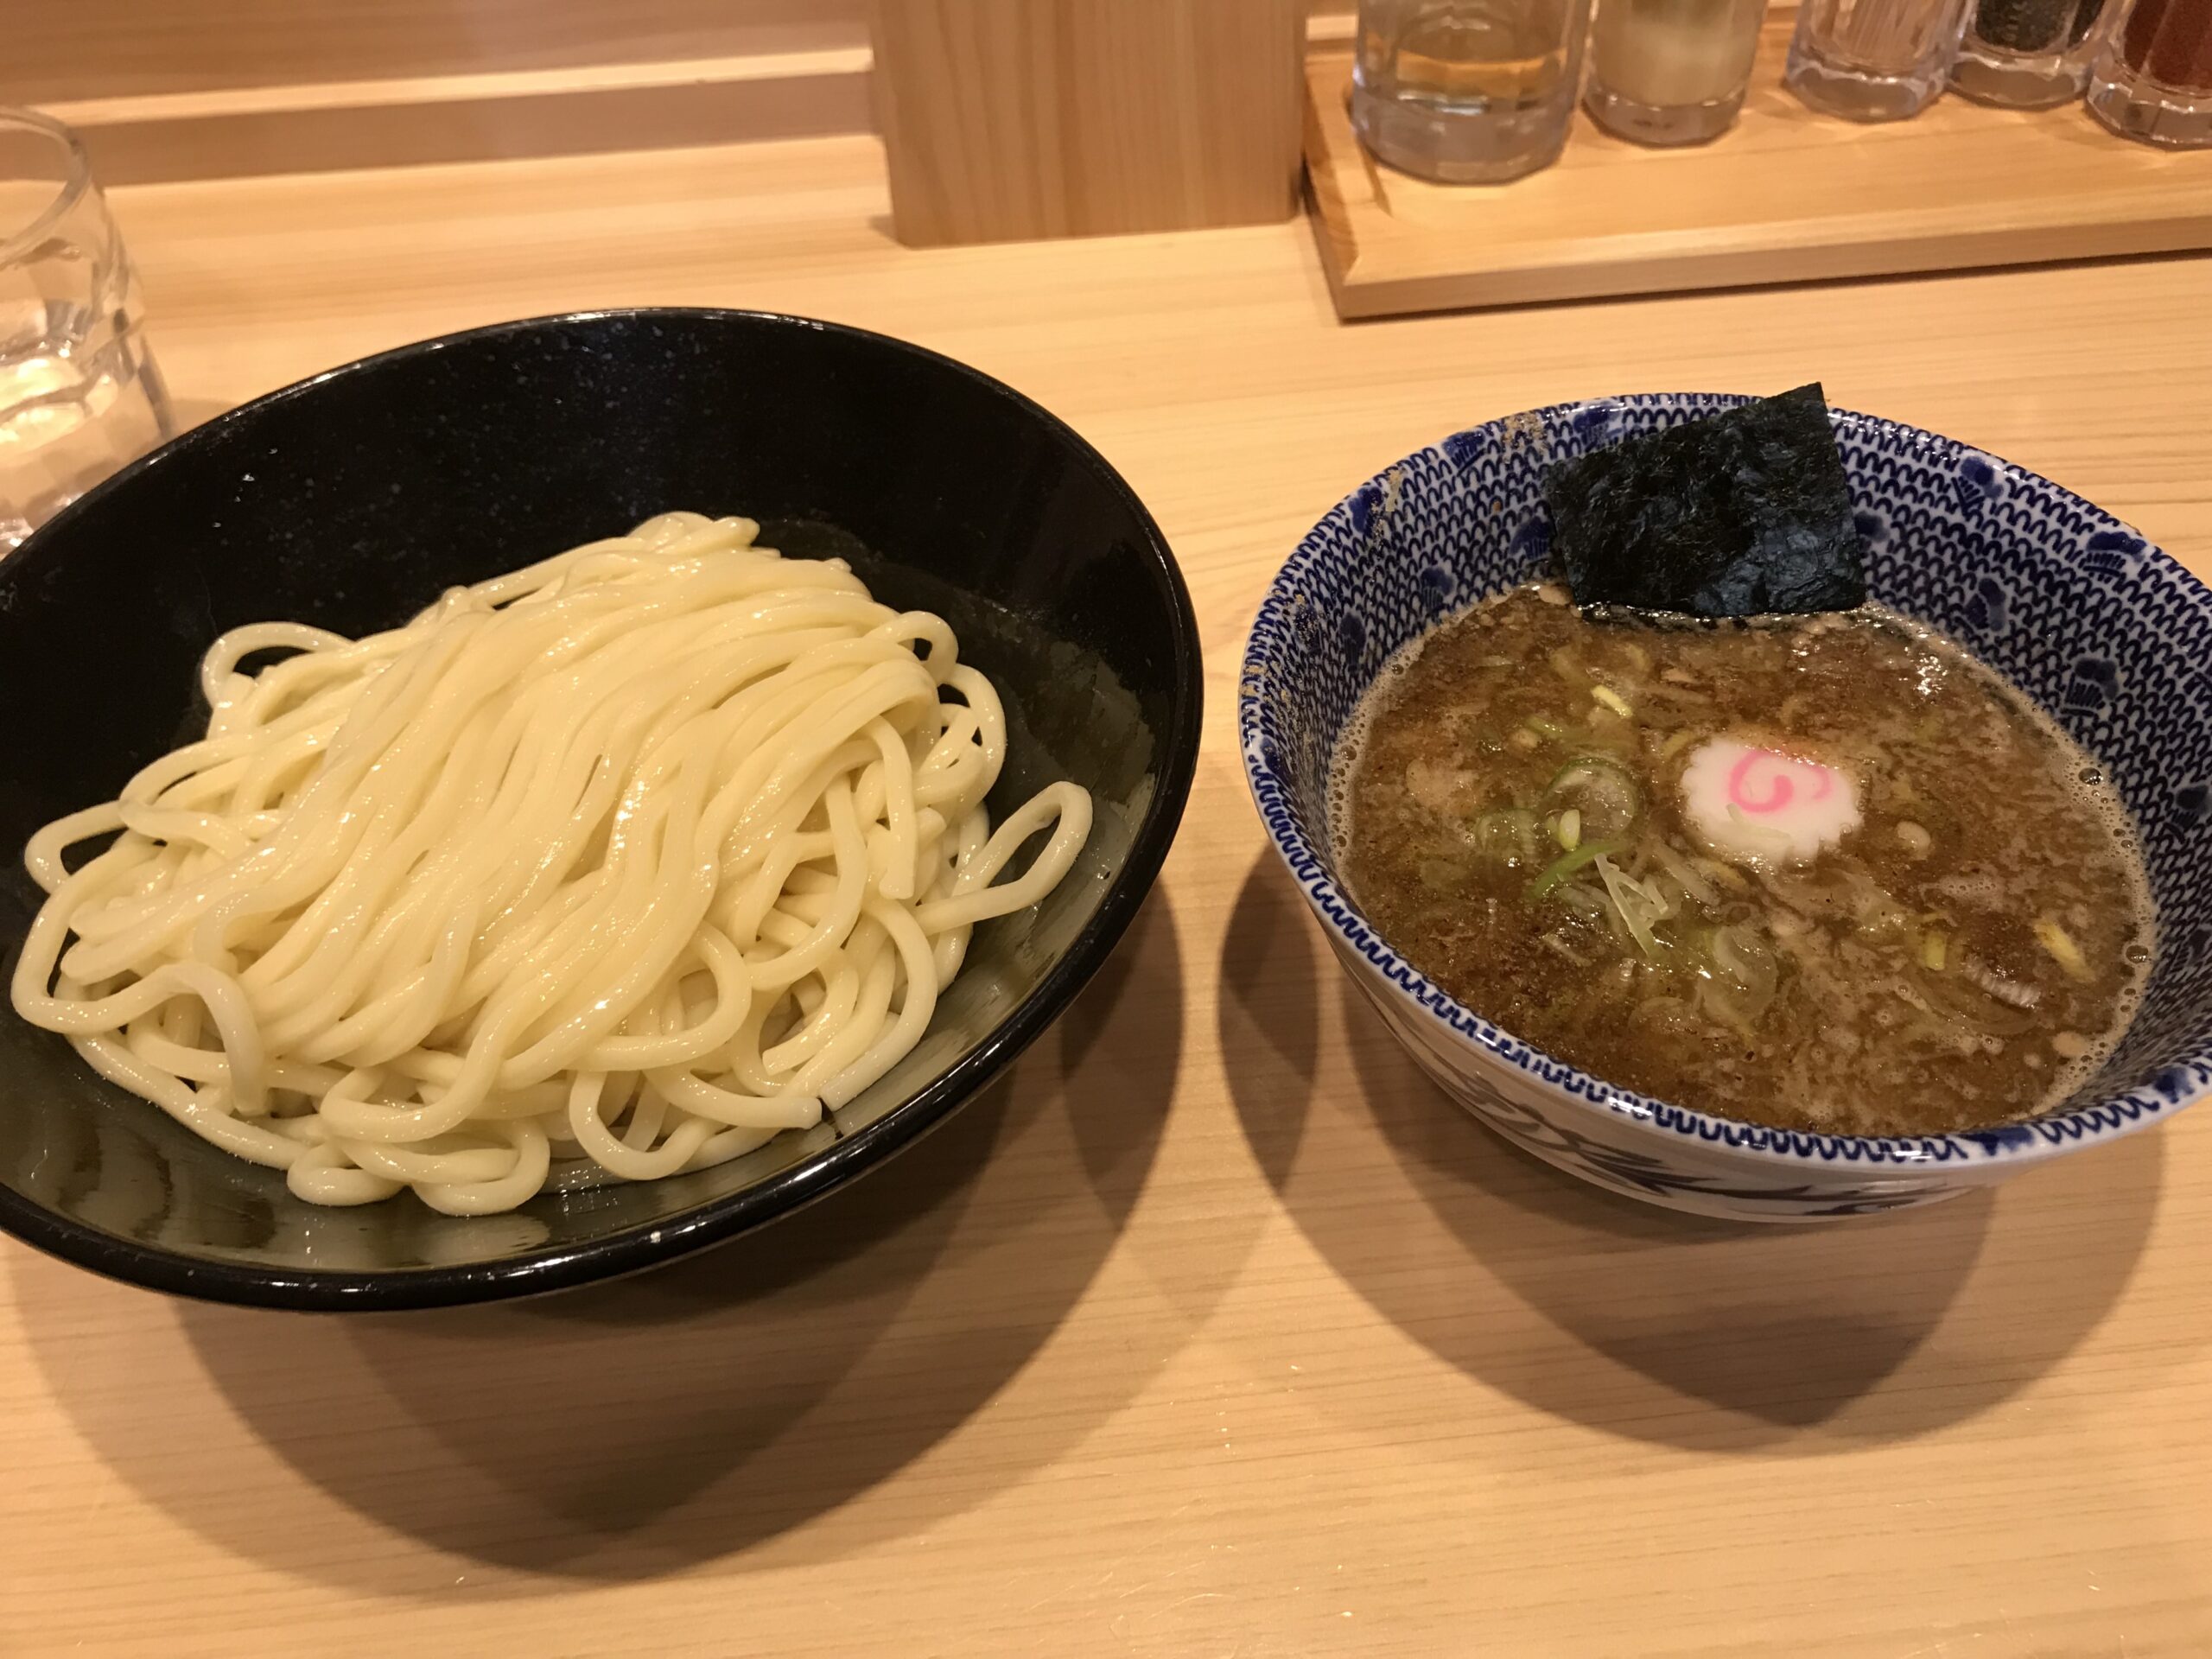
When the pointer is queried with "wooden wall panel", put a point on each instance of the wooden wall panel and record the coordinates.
(183, 89)
(64, 50)
(1014, 119)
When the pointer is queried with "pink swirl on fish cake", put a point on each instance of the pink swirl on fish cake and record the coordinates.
(1777, 768)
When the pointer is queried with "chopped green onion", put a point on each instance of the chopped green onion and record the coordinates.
(1681, 869)
(1567, 864)
(1722, 1006)
(1553, 942)
(1755, 831)
(1726, 875)
(1932, 948)
(2056, 940)
(1570, 829)
(1639, 905)
(1749, 963)
(1588, 902)
(1507, 838)
(1601, 789)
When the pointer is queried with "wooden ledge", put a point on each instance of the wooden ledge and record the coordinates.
(330, 126)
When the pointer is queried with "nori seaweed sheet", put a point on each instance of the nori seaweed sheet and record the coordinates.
(1742, 513)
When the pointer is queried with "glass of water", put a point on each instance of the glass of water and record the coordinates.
(79, 395)
(1467, 92)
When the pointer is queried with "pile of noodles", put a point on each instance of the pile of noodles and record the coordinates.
(613, 866)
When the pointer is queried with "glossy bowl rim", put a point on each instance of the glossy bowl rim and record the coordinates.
(630, 1249)
(2011, 1146)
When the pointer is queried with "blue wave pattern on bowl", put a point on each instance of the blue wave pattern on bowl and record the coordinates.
(2076, 609)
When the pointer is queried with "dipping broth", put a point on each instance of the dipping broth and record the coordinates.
(1824, 873)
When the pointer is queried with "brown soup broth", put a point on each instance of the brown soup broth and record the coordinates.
(1962, 958)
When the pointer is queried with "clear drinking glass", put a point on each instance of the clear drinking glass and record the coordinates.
(2028, 54)
(1671, 71)
(2152, 80)
(1467, 92)
(1873, 60)
(79, 391)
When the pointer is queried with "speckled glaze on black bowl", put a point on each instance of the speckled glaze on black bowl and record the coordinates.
(350, 500)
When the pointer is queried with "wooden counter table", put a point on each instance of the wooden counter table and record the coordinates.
(1217, 1330)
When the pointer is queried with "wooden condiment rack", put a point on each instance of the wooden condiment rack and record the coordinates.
(1787, 195)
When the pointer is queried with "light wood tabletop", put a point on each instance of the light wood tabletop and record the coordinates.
(1215, 1331)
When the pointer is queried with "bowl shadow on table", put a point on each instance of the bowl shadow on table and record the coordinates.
(740, 1399)
(1705, 1335)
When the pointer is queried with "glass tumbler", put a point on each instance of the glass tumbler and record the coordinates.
(1873, 60)
(1671, 71)
(2028, 54)
(2152, 79)
(1467, 92)
(79, 395)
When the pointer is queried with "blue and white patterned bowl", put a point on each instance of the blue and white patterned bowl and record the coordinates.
(2102, 629)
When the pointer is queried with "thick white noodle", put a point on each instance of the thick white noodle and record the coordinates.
(610, 868)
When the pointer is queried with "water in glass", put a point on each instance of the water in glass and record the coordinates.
(79, 394)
